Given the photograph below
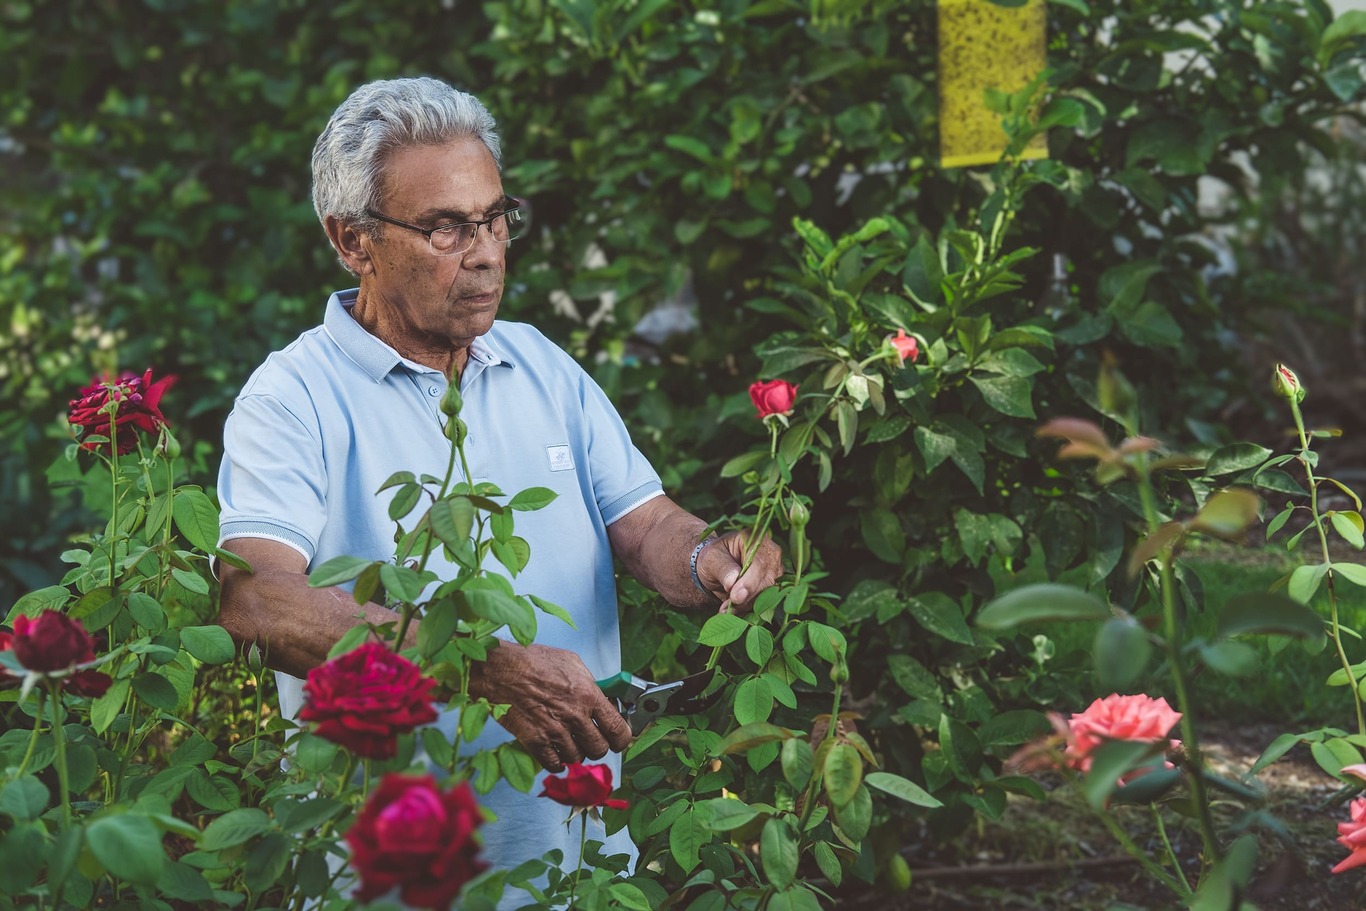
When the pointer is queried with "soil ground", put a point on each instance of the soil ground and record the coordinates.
(1056, 856)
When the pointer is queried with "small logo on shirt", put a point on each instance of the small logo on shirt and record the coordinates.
(559, 457)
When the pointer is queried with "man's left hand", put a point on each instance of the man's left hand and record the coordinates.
(719, 568)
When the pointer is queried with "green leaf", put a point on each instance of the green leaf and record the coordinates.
(1010, 395)
(234, 828)
(24, 798)
(722, 814)
(1122, 650)
(686, 837)
(1236, 659)
(798, 760)
(1046, 601)
(213, 792)
(1352, 572)
(753, 701)
(451, 520)
(759, 645)
(842, 773)
(901, 788)
(553, 610)
(1304, 581)
(1340, 34)
(489, 601)
(778, 850)
(722, 629)
(182, 882)
(210, 644)
(157, 691)
(1228, 513)
(128, 846)
(938, 613)
(749, 736)
(1350, 526)
(1109, 762)
(266, 862)
(1221, 889)
(1235, 457)
(855, 818)
(196, 518)
(827, 861)
(1333, 754)
(1269, 613)
(533, 498)
(146, 611)
(336, 571)
(190, 580)
(54, 597)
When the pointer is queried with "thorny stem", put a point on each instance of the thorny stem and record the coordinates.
(1327, 559)
(1178, 675)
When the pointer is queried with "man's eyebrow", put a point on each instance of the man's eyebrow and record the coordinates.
(449, 216)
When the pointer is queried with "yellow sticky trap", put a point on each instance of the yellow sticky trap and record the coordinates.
(984, 46)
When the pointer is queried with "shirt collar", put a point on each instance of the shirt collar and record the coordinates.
(376, 357)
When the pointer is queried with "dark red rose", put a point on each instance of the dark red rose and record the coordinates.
(52, 641)
(583, 786)
(364, 699)
(773, 397)
(414, 837)
(139, 409)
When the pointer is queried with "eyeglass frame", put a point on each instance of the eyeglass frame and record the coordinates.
(486, 223)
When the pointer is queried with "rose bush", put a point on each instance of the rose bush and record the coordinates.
(364, 699)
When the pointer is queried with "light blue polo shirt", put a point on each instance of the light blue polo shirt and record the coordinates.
(324, 422)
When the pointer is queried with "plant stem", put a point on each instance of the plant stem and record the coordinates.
(1328, 560)
(1195, 761)
(583, 840)
(1141, 856)
(33, 738)
(1166, 843)
(59, 741)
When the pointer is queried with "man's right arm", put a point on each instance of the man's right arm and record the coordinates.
(557, 710)
(274, 607)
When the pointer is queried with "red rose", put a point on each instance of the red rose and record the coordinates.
(412, 836)
(52, 641)
(138, 400)
(583, 786)
(773, 397)
(364, 699)
(907, 348)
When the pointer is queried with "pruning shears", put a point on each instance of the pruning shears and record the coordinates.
(641, 701)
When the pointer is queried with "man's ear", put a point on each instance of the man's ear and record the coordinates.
(351, 245)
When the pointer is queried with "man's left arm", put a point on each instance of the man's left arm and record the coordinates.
(655, 542)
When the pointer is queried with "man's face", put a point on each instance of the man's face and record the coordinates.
(437, 301)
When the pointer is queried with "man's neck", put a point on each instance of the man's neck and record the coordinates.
(429, 351)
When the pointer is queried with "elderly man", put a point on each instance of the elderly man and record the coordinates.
(408, 188)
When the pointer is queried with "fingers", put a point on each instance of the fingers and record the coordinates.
(556, 709)
(724, 571)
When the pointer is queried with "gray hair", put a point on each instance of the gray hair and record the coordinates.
(380, 117)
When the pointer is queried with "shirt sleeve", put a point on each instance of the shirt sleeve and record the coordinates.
(623, 478)
(272, 483)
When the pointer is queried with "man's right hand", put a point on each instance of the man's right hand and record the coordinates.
(557, 711)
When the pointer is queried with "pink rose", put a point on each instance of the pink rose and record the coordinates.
(417, 838)
(1118, 717)
(773, 397)
(364, 699)
(907, 348)
(1352, 836)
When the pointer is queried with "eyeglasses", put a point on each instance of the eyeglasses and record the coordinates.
(452, 240)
